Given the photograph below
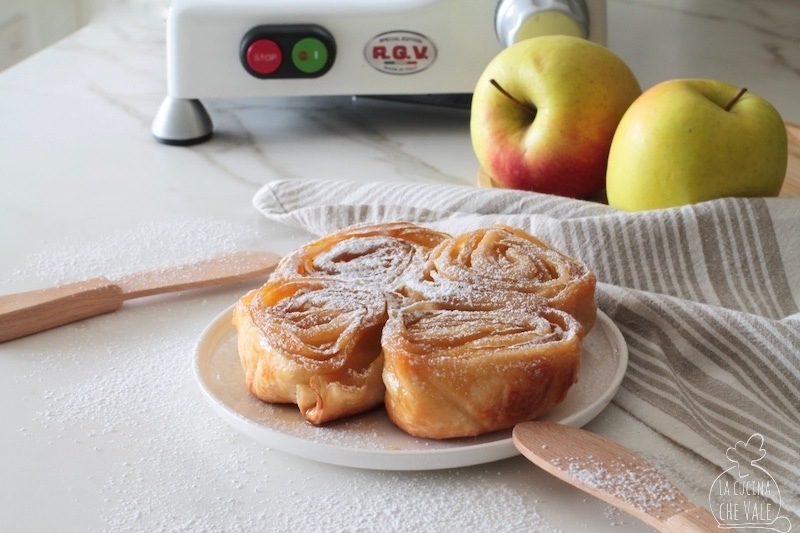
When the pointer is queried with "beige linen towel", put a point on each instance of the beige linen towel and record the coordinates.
(703, 295)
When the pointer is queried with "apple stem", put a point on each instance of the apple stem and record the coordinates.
(735, 99)
(527, 108)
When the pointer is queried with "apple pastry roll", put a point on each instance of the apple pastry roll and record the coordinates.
(375, 254)
(452, 370)
(313, 342)
(506, 259)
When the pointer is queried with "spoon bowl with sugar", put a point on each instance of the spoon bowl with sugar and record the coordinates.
(611, 472)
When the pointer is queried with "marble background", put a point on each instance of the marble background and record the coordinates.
(102, 422)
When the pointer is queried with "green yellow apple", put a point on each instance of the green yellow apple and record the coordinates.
(689, 140)
(544, 112)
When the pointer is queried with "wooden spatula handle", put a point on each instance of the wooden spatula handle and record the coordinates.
(31, 312)
(692, 521)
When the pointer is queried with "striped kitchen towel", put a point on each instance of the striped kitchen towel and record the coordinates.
(705, 295)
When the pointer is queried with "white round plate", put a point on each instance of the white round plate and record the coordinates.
(371, 440)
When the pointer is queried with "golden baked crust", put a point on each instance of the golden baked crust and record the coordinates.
(505, 259)
(453, 370)
(315, 343)
(457, 336)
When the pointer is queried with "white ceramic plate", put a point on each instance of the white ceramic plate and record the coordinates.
(371, 440)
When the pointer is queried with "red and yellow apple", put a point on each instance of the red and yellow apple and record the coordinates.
(686, 141)
(544, 113)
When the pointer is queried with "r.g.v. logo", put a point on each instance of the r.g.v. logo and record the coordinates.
(749, 496)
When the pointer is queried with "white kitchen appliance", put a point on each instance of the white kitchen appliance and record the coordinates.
(402, 48)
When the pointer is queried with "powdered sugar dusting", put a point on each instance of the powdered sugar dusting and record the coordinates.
(117, 394)
(642, 486)
(151, 245)
(173, 465)
(456, 500)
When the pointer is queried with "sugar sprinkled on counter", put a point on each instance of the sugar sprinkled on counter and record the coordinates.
(121, 409)
(152, 245)
(233, 482)
(124, 412)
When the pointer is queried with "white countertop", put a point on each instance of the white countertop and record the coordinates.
(103, 426)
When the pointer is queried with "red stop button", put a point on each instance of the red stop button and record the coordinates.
(264, 56)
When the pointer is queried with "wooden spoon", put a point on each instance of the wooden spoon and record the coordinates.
(612, 473)
(31, 312)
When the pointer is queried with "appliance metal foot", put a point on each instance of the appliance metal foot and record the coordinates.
(182, 122)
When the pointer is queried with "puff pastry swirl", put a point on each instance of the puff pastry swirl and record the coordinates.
(455, 370)
(379, 255)
(456, 336)
(315, 343)
(505, 259)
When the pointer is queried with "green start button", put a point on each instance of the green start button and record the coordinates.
(287, 51)
(309, 55)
